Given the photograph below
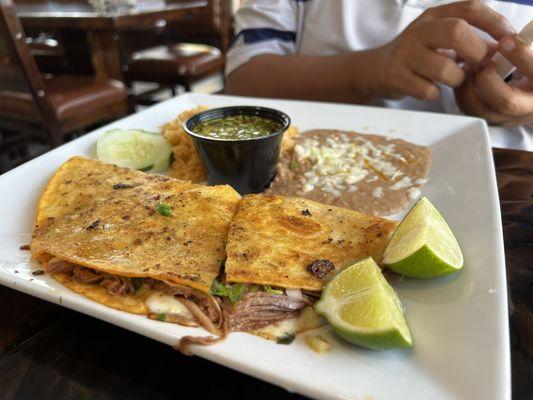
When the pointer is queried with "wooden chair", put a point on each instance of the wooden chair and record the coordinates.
(61, 104)
(184, 63)
(48, 53)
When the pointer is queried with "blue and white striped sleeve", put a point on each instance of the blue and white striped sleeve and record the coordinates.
(263, 27)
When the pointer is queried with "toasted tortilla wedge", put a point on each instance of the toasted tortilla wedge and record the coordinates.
(105, 218)
(273, 240)
(132, 303)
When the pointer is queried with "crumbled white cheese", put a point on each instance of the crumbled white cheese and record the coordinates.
(377, 192)
(385, 167)
(341, 162)
(403, 183)
(413, 193)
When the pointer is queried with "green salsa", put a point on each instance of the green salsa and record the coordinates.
(237, 127)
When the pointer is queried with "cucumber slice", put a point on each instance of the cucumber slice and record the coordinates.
(134, 148)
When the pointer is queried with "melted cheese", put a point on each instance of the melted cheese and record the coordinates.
(160, 303)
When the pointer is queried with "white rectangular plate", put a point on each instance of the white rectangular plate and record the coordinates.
(459, 323)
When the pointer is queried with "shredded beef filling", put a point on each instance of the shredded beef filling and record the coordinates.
(115, 285)
(254, 310)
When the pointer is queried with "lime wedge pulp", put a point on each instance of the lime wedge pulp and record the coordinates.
(423, 245)
(362, 307)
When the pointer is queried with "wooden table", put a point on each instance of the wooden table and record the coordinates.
(102, 27)
(49, 352)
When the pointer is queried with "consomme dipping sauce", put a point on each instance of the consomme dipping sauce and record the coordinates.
(237, 127)
(239, 145)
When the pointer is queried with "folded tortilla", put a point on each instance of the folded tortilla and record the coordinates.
(274, 240)
(111, 219)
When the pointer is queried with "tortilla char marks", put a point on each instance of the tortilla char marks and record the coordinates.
(248, 256)
(320, 268)
(118, 186)
(375, 230)
(299, 225)
(271, 242)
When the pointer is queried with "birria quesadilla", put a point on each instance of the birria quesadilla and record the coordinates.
(291, 246)
(153, 245)
(141, 243)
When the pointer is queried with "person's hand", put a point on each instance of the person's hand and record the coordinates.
(418, 59)
(484, 94)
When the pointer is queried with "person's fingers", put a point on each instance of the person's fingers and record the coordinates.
(418, 87)
(456, 34)
(470, 102)
(521, 83)
(450, 53)
(437, 68)
(476, 13)
(518, 54)
(501, 97)
(492, 47)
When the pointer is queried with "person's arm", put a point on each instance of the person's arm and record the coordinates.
(411, 65)
(341, 77)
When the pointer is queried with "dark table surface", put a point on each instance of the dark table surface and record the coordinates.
(49, 352)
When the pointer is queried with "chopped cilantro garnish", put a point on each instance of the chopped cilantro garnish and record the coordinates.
(163, 209)
(235, 292)
(269, 289)
(286, 338)
(161, 317)
(218, 289)
(254, 288)
(293, 165)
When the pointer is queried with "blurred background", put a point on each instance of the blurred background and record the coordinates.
(69, 66)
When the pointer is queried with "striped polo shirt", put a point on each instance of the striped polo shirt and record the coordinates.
(325, 27)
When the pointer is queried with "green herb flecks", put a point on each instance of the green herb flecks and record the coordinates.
(237, 127)
(236, 291)
(163, 209)
(293, 165)
(161, 317)
(219, 289)
(286, 338)
(232, 292)
(269, 289)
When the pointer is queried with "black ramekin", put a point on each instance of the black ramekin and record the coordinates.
(248, 165)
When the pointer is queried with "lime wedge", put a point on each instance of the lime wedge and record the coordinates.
(363, 308)
(423, 245)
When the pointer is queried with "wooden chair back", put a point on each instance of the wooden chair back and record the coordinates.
(19, 75)
(212, 26)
